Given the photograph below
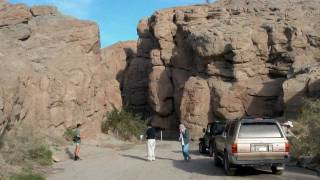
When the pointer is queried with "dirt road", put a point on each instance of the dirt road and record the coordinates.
(129, 164)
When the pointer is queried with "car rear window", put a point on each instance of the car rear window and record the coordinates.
(259, 130)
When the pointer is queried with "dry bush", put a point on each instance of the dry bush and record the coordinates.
(23, 147)
(307, 130)
(27, 176)
(124, 124)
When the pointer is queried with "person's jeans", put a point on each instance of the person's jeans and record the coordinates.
(185, 151)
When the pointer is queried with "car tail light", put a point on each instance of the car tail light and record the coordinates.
(234, 148)
(287, 147)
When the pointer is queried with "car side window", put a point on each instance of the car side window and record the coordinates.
(232, 129)
(208, 129)
(225, 132)
(212, 129)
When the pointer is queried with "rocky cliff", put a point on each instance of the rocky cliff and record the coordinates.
(194, 64)
(230, 59)
(131, 72)
(52, 74)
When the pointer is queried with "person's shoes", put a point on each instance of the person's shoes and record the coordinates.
(188, 159)
(76, 158)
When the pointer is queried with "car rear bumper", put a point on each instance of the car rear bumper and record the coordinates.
(247, 160)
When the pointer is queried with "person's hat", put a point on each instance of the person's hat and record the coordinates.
(288, 123)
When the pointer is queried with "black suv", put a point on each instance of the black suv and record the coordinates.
(207, 141)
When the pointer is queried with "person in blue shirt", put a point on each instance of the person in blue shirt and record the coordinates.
(184, 139)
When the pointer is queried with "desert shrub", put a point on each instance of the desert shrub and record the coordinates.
(68, 134)
(27, 176)
(41, 155)
(124, 124)
(23, 146)
(307, 130)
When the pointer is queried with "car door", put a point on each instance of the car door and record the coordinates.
(221, 140)
(230, 135)
(207, 135)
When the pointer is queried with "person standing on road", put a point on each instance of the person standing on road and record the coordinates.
(151, 142)
(184, 138)
(77, 140)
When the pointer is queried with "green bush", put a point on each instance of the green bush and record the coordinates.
(27, 176)
(41, 155)
(307, 130)
(124, 124)
(68, 134)
(23, 146)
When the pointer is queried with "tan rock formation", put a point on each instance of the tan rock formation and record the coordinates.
(244, 50)
(135, 85)
(299, 87)
(52, 75)
(161, 91)
(195, 106)
(194, 64)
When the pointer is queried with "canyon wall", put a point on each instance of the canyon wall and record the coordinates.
(230, 59)
(52, 75)
(193, 64)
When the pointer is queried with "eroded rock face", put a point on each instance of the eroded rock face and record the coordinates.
(195, 109)
(131, 73)
(116, 59)
(135, 86)
(299, 87)
(52, 75)
(230, 59)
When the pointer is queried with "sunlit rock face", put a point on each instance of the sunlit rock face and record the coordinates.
(230, 59)
(52, 75)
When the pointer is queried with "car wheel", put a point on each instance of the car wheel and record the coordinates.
(276, 171)
(210, 150)
(217, 161)
(227, 166)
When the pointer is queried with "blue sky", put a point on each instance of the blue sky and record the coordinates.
(117, 19)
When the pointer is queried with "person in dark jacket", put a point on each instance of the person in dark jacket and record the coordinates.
(184, 139)
(151, 142)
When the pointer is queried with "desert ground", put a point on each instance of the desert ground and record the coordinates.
(128, 162)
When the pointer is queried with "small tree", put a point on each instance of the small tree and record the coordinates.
(124, 124)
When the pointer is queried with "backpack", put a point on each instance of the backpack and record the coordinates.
(75, 138)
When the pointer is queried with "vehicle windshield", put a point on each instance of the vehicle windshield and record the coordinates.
(218, 129)
(259, 130)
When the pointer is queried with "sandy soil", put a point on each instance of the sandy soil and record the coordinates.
(128, 162)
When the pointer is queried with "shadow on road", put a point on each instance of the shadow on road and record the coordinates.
(249, 171)
(69, 153)
(134, 157)
(199, 166)
(206, 167)
(144, 159)
(192, 152)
